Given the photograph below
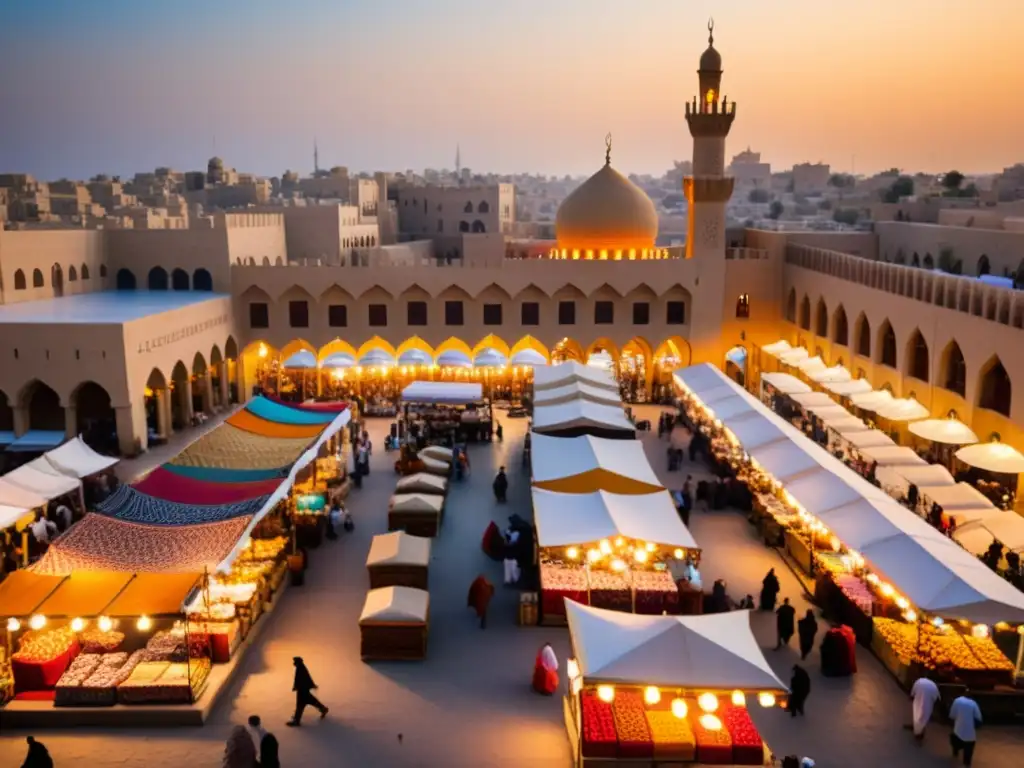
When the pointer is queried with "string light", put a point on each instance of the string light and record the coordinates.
(606, 693)
(679, 708)
(37, 622)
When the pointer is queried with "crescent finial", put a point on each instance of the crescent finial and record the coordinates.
(711, 31)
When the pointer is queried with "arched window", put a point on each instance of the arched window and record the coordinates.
(72, 274)
(840, 330)
(478, 226)
(483, 207)
(468, 208)
(201, 280)
(743, 306)
(125, 280)
(791, 306)
(996, 390)
(179, 280)
(805, 314)
(158, 280)
(984, 267)
(955, 370)
(19, 281)
(917, 357)
(863, 337)
(821, 320)
(85, 271)
(37, 278)
(463, 226)
(887, 345)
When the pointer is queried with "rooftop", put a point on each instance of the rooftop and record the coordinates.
(106, 308)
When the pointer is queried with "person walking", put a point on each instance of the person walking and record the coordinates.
(501, 486)
(923, 694)
(500, 432)
(799, 690)
(304, 687)
(239, 752)
(480, 593)
(785, 619)
(266, 744)
(769, 591)
(807, 630)
(38, 756)
(966, 717)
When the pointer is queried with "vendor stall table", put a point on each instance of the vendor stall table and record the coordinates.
(398, 560)
(416, 513)
(394, 624)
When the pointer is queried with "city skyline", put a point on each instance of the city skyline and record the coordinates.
(117, 88)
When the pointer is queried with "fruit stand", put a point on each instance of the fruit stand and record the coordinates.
(655, 691)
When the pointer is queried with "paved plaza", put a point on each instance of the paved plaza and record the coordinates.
(469, 704)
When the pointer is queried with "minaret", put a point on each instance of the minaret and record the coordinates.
(710, 117)
(458, 160)
(316, 158)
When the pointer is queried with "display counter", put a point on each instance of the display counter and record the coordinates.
(649, 591)
(418, 514)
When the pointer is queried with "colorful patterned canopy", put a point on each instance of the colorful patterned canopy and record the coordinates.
(227, 447)
(166, 485)
(126, 503)
(283, 414)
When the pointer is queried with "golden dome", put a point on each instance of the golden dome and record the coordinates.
(607, 212)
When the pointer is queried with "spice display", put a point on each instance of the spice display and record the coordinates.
(747, 746)
(558, 582)
(631, 727)
(856, 591)
(672, 736)
(714, 745)
(94, 640)
(599, 739)
(81, 668)
(655, 592)
(610, 590)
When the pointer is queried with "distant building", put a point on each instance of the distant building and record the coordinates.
(810, 178)
(748, 170)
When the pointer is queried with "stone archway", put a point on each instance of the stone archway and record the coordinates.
(6, 414)
(202, 399)
(158, 407)
(567, 349)
(181, 399)
(42, 408)
(232, 368)
(95, 419)
(218, 378)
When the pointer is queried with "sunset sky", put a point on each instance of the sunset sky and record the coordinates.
(119, 86)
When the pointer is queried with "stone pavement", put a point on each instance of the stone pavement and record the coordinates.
(469, 704)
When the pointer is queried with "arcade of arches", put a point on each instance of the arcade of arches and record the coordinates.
(379, 369)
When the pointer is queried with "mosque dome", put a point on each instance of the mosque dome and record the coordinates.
(607, 212)
(711, 60)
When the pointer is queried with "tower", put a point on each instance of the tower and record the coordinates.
(316, 158)
(458, 160)
(709, 117)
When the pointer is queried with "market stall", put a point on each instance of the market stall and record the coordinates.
(446, 411)
(577, 390)
(421, 482)
(665, 689)
(394, 624)
(582, 417)
(571, 372)
(586, 464)
(398, 559)
(418, 513)
(609, 550)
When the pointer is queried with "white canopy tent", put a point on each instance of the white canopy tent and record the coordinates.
(848, 388)
(870, 439)
(786, 384)
(902, 409)
(933, 573)
(557, 458)
(837, 373)
(846, 425)
(77, 459)
(752, 431)
(732, 408)
(812, 365)
(794, 356)
(12, 495)
(776, 348)
(581, 415)
(552, 376)
(830, 413)
(993, 457)
(958, 496)
(577, 391)
(811, 400)
(893, 456)
(784, 460)
(945, 431)
(717, 651)
(563, 519)
(48, 484)
(897, 480)
(872, 399)
(448, 392)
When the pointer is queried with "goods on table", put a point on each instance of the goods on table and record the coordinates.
(831, 562)
(857, 592)
(988, 653)
(168, 646)
(96, 641)
(248, 572)
(937, 648)
(900, 637)
(164, 683)
(558, 582)
(44, 645)
(91, 680)
(610, 590)
(747, 746)
(714, 747)
(599, 739)
(673, 737)
(631, 727)
(81, 668)
(655, 592)
(265, 549)
(223, 636)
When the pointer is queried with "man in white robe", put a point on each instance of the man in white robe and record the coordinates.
(924, 694)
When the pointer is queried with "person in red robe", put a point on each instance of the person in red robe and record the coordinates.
(545, 671)
(480, 593)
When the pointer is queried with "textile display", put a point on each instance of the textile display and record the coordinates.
(228, 476)
(227, 447)
(283, 414)
(162, 484)
(127, 503)
(98, 542)
(250, 422)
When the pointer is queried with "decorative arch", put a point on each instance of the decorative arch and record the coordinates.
(805, 313)
(567, 349)
(198, 364)
(603, 344)
(840, 327)
(19, 280)
(478, 227)
(72, 274)
(37, 278)
(95, 420)
(376, 343)
(179, 373)
(886, 346)
(158, 279)
(293, 346)
(179, 280)
(490, 341)
(202, 280)
(453, 344)
(529, 342)
(642, 345)
(675, 347)
(530, 291)
(413, 342)
(821, 319)
(953, 369)
(862, 335)
(916, 357)
(995, 390)
(483, 207)
(43, 405)
(335, 347)
(216, 358)
(156, 380)
(6, 414)
(125, 280)
(984, 267)
(231, 348)
(85, 272)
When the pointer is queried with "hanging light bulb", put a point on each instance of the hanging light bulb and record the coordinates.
(77, 625)
(37, 622)
(738, 699)
(710, 723)
(679, 708)
(620, 542)
(593, 555)
(640, 555)
(144, 624)
(618, 565)
(652, 695)
(105, 624)
(678, 554)
(606, 546)
(649, 546)
(766, 699)
(572, 553)
(606, 693)
(980, 631)
(13, 625)
(708, 702)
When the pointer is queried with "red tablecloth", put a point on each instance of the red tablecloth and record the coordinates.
(35, 676)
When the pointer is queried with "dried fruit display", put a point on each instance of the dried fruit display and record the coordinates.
(713, 747)
(832, 563)
(45, 645)
(611, 591)
(83, 666)
(96, 641)
(558, 582)
(265, 549)
(655, 592)
(599, 739)
(857, 592)
(747, 746)
(110, 675)
(938, 648)
(673, 737)
(167, 646)
(631, 725)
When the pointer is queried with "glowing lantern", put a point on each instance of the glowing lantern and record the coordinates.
(620, 542)
(105, 624)
(144, 624)
(572, 668)
(606, 546)
(678, 554)
(738, 699)
(593, 555)
(13, 625)
(910, 616)
(887, 590)
(640, 556)
(605, 693)
(902, 603)
(710, 723)
(37, 622)
(766, 699)
(572, 553)
(652, 695)
(263, 350)
(979, 631)
(708, 702)
(679, 708)
(77, 625)
(649, 546)
(618, 565)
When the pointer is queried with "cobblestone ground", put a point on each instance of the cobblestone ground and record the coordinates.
(469, 703)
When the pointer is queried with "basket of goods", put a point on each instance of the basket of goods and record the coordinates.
(96, 641)
(714, 745)
(747, 746)
(599, 739)
(42, 657)
(611, 591)
(631, 727)
(558, 582)
(655, 593)
(672, 736)
(99, 688)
